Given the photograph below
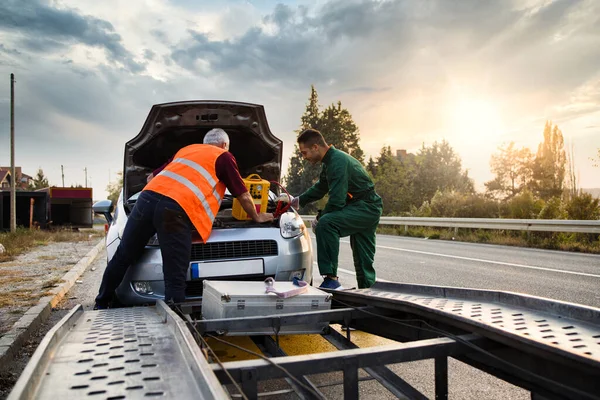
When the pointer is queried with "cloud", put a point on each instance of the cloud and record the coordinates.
(149, 54)
(397, 65)
(41, 28)
(6, 50)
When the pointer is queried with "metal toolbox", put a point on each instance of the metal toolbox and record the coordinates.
(238, 299)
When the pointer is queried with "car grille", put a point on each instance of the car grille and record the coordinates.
(195, 288)
(228, 250)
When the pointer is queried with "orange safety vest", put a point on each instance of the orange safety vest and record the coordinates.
(191, 180)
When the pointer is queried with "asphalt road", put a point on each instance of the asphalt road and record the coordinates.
(564, 276)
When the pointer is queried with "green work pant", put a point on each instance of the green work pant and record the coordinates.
(359, 220)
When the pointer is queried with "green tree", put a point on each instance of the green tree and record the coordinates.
(301, 174)
(513, 170)
(114, 188)
(550, 164)
(438, 167)
(337, 127)
(391, 183)
(39, 181)
(371, 167)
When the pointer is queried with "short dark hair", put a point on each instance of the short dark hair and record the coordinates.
(311, 137)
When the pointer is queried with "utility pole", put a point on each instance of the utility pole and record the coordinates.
(62, 172)
(85, 170)
(13, 177)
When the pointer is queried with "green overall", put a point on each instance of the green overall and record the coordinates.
(353, 209)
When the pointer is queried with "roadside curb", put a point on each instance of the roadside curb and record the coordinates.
(22, 330)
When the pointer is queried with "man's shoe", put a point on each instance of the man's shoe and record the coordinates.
(332, 284)
(100, 307)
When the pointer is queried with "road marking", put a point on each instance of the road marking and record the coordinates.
(347, 271)
(486, 261)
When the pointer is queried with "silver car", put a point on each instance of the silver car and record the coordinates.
(236, 250)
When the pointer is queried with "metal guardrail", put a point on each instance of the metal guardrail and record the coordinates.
(541, 225)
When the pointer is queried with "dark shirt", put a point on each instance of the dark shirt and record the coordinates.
(227, 172)
(341, 175)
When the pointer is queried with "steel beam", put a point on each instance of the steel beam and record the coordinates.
(281, 320)
(365, 357)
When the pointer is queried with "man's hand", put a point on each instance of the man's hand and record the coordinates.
(149, 177)
(247, 203)
(264, 217)
(295, 203)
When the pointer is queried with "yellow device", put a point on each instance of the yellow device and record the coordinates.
(259, 190)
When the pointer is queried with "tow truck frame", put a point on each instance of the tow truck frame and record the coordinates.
(547, 347)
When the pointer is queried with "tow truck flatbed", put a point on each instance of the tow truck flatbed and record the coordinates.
(548, 347)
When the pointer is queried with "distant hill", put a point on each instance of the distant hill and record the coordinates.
(595, 192)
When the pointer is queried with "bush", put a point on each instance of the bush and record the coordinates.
(583, 206)
(553, 209)
(524, 206)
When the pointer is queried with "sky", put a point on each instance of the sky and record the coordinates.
(475, 73)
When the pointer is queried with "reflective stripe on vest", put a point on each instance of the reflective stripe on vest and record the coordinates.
(190, 179)
(211, 181)
(193, 188)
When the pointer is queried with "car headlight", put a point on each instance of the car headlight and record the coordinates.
(291, 225)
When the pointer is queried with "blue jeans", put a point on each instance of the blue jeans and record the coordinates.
(153, 213)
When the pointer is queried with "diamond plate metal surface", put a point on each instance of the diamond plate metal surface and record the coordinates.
(118, 354)
(580, 338)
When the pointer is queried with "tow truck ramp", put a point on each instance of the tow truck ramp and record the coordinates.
(548, 347)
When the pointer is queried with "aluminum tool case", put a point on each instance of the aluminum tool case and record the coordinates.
(238, 299)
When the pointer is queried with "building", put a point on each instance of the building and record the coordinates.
(23, 180)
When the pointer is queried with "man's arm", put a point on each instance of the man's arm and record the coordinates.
(227, 171)
(316, 191)
(337, 175)
(158, 170)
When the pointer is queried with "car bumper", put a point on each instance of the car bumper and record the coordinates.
(144, 281)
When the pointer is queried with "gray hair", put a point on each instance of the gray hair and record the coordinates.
(216, 136)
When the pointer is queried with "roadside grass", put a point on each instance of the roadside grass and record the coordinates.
(23, 239)
(19, 298)
(575, 242)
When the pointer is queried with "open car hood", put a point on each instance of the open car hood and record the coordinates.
(171, 126)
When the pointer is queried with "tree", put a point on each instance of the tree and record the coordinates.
(301, 174)
(391, 183)
(371, 167)
(571, 180)
(549, 164)
(512, 168)
(596, 160)
(337, 127)
(114, 188)
(40, 181)
(438, 167)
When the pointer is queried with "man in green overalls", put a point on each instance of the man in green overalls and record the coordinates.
(353, 209)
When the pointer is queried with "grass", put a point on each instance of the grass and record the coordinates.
(51, 283)
(22, 240)
(19, 297)
(575, 242)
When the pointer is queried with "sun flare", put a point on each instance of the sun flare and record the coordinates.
(476, 118)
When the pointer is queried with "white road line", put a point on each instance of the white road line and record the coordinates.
(486, 261)
(347, 271)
